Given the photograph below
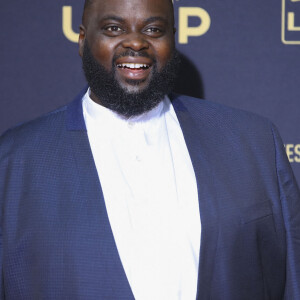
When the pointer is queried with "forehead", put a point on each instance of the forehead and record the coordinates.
(130, 9)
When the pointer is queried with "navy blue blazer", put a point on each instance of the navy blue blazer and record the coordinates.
(56, 240)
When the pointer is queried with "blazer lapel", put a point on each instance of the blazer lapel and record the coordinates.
(196, 137)
(111, 274)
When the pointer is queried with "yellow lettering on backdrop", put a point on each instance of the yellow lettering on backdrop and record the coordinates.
(293, 152)
(291, 22)
(297, 152)
(184, 30)
(289, 152)
(67, 24)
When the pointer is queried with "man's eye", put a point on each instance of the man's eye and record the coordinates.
(153, 29)
(113, 28)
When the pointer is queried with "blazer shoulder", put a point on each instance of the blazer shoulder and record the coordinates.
(217, 113)
(32, 132)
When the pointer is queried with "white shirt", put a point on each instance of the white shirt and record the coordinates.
(151, 198)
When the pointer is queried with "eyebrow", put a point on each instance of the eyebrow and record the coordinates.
(113, 17)
(121, 20)
(153, 19)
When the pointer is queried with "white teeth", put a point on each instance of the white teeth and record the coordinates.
(133, 66)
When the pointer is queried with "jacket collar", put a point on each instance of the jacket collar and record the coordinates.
(75, 119)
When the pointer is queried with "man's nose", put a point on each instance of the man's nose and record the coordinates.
(136, 42)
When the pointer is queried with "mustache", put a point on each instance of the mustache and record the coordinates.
(133, 53)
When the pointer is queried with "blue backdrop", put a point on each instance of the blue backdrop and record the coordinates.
(241, 53)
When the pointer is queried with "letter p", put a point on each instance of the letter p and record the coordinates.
(184, 30)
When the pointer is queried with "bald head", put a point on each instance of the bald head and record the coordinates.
(88, 3)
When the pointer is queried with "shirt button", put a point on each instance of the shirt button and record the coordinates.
(138, 158)
(130, 125)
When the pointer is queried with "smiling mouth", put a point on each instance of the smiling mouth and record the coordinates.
(132, 66)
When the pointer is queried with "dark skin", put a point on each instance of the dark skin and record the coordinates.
(112, 27)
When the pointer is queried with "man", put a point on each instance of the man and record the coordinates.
(102, 199)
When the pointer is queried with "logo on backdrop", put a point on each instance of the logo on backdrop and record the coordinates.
(293, 152)
(185, 31)
(290, 19)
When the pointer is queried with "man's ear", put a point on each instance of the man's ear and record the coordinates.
(81, 39)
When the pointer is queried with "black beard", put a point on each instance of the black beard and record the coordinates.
(112, 95)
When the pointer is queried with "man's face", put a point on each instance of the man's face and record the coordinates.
(129, 38)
